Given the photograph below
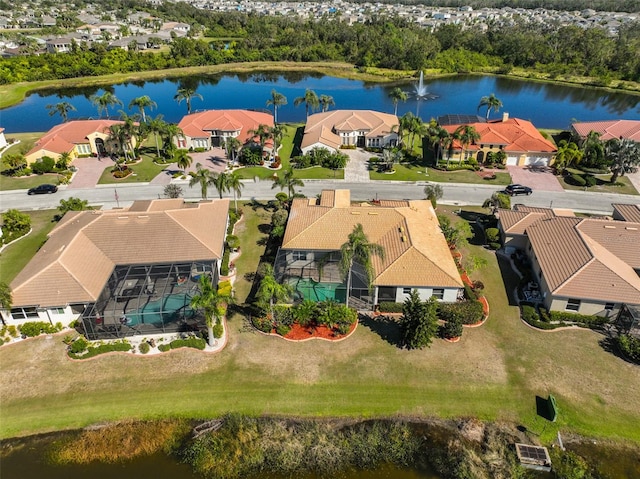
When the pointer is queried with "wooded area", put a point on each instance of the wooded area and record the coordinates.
(386, 42)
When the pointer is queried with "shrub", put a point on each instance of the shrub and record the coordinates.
(197, 343)
(493, 235)
(529, 314)
(467, 312)
(218, 330)
(469, 293)
(144, 347)
(13, 331)
(452, 329)
(35, 328)
(163, 348)
(590, 180)
(224, 267)
(224, 288)
(283, 329)
(79, 345)
(586, 320)
(92, 351)
(629, 346)
(117, 173)
(45, 165)
(577, 180)
(390, 307)
(263, 323)
(495, 246)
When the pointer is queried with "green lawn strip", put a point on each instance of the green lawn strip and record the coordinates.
(143, 172)
(17, 255)
(27, 141)
(250, 247)
(494, 372)
(604, 185)
(319, 173)
(409, 172)
(25, 182)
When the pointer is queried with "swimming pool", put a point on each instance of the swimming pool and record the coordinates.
(310, 289)
(171, 308)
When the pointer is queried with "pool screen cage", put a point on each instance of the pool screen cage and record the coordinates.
(321, 267)
(147, 299)
(628, 320)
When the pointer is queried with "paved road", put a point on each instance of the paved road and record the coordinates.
(454, 194)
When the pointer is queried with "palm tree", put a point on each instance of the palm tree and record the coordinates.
(310, 100)
(120, 135)
(593, 151)
(491, 102)
(235, 184)
(397, 95)
(404, 125)
(202, 177)
(277, 132)
(622, 153)
(270, 291)
(104, 101)
(182, 159)
(263, 132)
(141, 103)
(232, 145)
(326, 101)
(467, 135)
(186, 94)
(211, 302)
(64, 159)
(568, 154)
(276, 100)
(156, 126)
(221, 182)
(358, 249)
(288, 181)
(63, 108)
(170, 132)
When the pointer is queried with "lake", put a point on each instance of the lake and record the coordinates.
(547, 105)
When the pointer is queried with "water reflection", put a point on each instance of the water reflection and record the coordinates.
(546, 105)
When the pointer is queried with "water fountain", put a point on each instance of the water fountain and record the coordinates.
(421, 90)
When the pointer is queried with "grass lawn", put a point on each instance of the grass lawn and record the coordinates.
(143, 172)
(413, 172)
(26, 143)
(16, 256)
(603, 185)
(494, 372)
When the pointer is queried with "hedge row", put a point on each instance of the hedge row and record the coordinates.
(468, 312)
(197, 343)
(35, 328)
(101, 349)
(540, 318)
(630, 346)
(586, 320)
(390, 307)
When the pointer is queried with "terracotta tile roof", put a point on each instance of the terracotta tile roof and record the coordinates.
(628, 212)
(82, 251)
(588, 258)
(610, 129)
(416, 253)
(517, 220)
(515, 134)
(200, 125)
(324, 125)
(62, 138)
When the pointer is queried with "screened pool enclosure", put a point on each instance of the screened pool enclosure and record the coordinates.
(147, 299)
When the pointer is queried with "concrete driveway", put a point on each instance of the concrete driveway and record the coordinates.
(214, 160)
(535, 177)
(89, 171)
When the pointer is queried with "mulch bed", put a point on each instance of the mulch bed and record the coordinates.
(299, 333)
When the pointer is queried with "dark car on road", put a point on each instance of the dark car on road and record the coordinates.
(43, 189)
(513, 190)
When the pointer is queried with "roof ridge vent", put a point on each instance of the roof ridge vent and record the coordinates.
(631, 228)
(609, 227)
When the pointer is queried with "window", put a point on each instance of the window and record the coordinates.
(609, 307)
(438, 293)
(24, 313)
(573, 305)
(406, 290)
(56, 310)
(299, 255)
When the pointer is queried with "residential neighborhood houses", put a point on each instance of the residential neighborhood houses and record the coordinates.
(140, 30)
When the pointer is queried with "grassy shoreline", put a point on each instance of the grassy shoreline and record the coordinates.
(15, 93)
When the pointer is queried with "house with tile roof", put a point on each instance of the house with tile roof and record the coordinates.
(626, 212)
(582, 265)
(513, 223)
(416, 253)
(361, 128)
(522, 143)
(79, 138)
(123, 272)
(625, 129)
(211, 128)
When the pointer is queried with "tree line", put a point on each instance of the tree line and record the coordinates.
(384, 42)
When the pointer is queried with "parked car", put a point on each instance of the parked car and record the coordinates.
(43, 189)
(518, 190)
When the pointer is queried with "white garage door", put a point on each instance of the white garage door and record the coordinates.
(512, 160)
